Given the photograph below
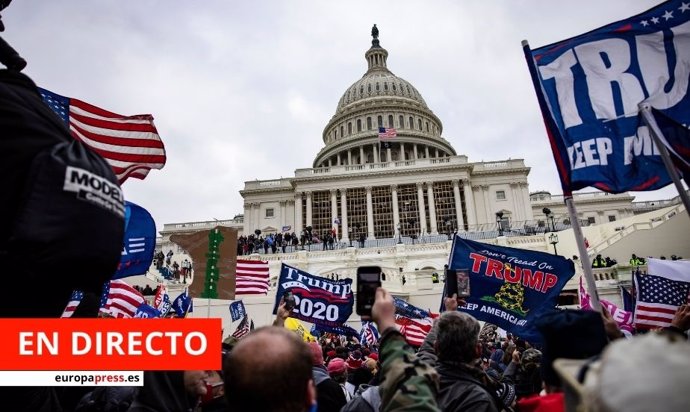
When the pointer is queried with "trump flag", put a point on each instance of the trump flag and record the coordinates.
(589, 88)
(509, 287)
(139, 242)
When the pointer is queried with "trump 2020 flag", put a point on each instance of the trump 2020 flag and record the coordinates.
(183, 304)
(589, 88)
(318, 300)
(237, 310)
(510, 287)
(139, 242)
(147, 312)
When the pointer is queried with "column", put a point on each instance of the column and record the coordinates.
(517, 203)
(337, 157)
(414, 151)
(257, 214)
(420, 205)
(330, 162)
(490, 214)
(345, 236)
(376, 153)
(432, 207)
(396, 212)
(437, 153)
(524, 198)
(469, 203)
(460, 222)
(388, 154)
(298, 214)
(283, 218)
(402, 151)
(334, 208)
(349, 157)
(426, 151)
(308, 208)
(361, 155)
(370, 215)
(248, 228)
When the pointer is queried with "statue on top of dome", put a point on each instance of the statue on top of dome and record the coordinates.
(375, 32)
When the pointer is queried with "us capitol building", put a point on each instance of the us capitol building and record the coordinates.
(415, 185)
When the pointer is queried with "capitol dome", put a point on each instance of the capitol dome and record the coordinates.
(381, 99)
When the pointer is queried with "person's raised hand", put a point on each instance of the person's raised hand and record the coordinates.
(451, 303)
(610, 326)
(383, 311)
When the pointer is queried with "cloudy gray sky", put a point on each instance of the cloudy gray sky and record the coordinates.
(241, 90)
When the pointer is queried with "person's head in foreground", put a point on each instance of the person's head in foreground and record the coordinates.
(270, 370)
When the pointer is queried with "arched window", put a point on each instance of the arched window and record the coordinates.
(401, 122)
(393, 85)
(385, 87)
(427, 126)
(390, 120)
(368, 123)
(349, 128)
(359, 125)
(377, 86)
(335, 133)
(342, 131)
(411, 122)
(369, 88)
(361, 90)
(380, 121)
(419, 123)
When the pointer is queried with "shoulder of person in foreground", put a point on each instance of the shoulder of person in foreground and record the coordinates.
(407, 383)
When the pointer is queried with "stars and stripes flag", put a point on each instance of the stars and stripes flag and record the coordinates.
(386, 134)
(414, 330)
(659, 293)
(120, 300)
(369, 335)
(243, 329)
(252, 277)
(130, 144)
(73, 303)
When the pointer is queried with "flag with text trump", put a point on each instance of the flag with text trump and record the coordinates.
(660, 292)
(589, 88)
(510, 287)
(130, 144)
(318, 300)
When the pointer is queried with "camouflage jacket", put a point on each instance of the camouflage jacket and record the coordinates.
(407, 383)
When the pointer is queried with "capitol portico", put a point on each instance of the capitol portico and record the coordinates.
(414, 184)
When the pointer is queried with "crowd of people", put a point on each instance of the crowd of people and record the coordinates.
(171, 270)
(280, 242)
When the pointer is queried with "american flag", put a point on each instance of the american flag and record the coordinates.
(243, 328)
(387, 133)
(414, 330)
(252, 277)
(120, 300)
(657, 300)
(74, 301)
(130, 144)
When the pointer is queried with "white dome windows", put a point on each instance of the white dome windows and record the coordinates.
(401, 122)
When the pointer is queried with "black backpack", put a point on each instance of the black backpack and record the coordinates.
(62, 207)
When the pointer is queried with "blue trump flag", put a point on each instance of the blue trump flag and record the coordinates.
(318, 300)
(237, 310)
(589, 88)
(139, 242)
(343, 330)
(509, 287)
(183, 304)
(147, 311)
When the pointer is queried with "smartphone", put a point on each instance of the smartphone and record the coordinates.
(458, 282)
(368, 280)
(289, 300)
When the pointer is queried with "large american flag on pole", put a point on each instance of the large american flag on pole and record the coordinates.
(659, 293)
(252, 277)
(120, 300)
(130, 144)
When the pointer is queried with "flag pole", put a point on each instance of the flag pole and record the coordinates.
(659, 140)
(584, 257)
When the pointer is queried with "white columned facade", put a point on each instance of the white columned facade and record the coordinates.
(414, 150)
(257, 214)
(334, 208)
(420, 205)
(388, 153)
(338, 159)
(370, 215)
(402, 151)
(298, 213)
(487, 205)
(432, 207)
(426, 151)
(396, 212)
(309, 209)
(519, 213)
(460, 222)
(349, 157)
(283, 216)
(345, 236)
(361, 155)
(248, 218)
(376, 153)
(469, 203)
